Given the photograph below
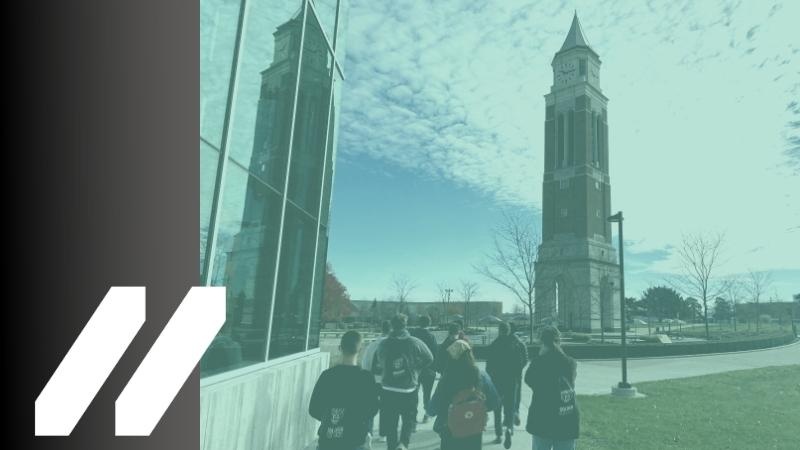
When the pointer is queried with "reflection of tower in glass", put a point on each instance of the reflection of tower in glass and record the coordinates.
(250, 268)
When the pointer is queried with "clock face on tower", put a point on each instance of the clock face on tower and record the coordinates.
(565, 72)
(595, 74)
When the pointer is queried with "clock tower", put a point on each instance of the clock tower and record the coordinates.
(577, 275)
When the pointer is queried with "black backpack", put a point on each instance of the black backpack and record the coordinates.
(398, 370)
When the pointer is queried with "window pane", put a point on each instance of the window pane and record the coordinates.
(322, 252)
(311, 122)
(326, 10)
(218, 25)
(294, 284)
(246, 252)
(261, 116)
(319, 289)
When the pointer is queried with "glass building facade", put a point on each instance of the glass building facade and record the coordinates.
(270, 78)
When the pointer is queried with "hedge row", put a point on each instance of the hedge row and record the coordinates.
(643, 350)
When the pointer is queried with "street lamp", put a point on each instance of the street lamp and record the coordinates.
(623, 389)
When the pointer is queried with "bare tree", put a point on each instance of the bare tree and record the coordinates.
(734, 291)
(757, 285)
(699, 258)
(444, 295)
(403, 287)
(512, 260)
(468, 291)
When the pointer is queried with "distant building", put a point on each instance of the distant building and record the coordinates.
(374, 310)
(577, 275)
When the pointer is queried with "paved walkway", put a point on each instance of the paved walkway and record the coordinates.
(597, 377)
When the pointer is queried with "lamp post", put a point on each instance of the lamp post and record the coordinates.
(623, 388)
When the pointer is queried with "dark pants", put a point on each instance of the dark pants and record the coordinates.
(426, 379)
(519, 395)
(396, 406)
(509, 402)
(468, 443)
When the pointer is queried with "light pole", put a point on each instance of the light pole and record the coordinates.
(623, 388)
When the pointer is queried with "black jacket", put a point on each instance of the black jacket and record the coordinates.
(424, 335)
(544, 377)
(345, 399)
(507, 356)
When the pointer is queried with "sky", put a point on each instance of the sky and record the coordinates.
(442, 129)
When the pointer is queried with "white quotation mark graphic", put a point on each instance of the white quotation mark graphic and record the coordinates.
(158, 378)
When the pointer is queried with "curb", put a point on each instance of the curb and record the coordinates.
(796, 342)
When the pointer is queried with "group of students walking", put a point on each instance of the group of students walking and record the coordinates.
(386, 382)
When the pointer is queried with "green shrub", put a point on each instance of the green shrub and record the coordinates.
(577, 337)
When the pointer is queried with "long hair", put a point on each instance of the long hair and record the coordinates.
(551, 339)
(462, 373)
(551, 342)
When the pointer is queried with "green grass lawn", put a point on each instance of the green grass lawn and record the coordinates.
(749, 409)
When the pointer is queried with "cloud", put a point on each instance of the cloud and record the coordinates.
(701, 137)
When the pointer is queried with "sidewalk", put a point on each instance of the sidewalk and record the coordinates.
(597, 376)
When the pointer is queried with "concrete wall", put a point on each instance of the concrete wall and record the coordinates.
(263, 409)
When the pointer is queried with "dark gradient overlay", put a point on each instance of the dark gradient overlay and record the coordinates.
(108, 191)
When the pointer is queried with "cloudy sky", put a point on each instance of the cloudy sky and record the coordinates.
(442, 129)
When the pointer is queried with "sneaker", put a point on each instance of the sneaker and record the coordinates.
(507, 441)
(498, 439)
(380, 439)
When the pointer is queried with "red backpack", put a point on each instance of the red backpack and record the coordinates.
(467, 415)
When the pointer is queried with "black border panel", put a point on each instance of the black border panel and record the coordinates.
(107, 195)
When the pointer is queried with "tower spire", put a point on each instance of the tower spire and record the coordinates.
(575, 36)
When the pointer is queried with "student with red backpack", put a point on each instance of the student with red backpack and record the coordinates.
(462, 401)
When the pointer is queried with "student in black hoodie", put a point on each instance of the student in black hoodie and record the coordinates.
(345, 399)
(553, 418)
(507, 356)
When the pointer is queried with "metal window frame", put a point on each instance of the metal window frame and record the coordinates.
(211, 237)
